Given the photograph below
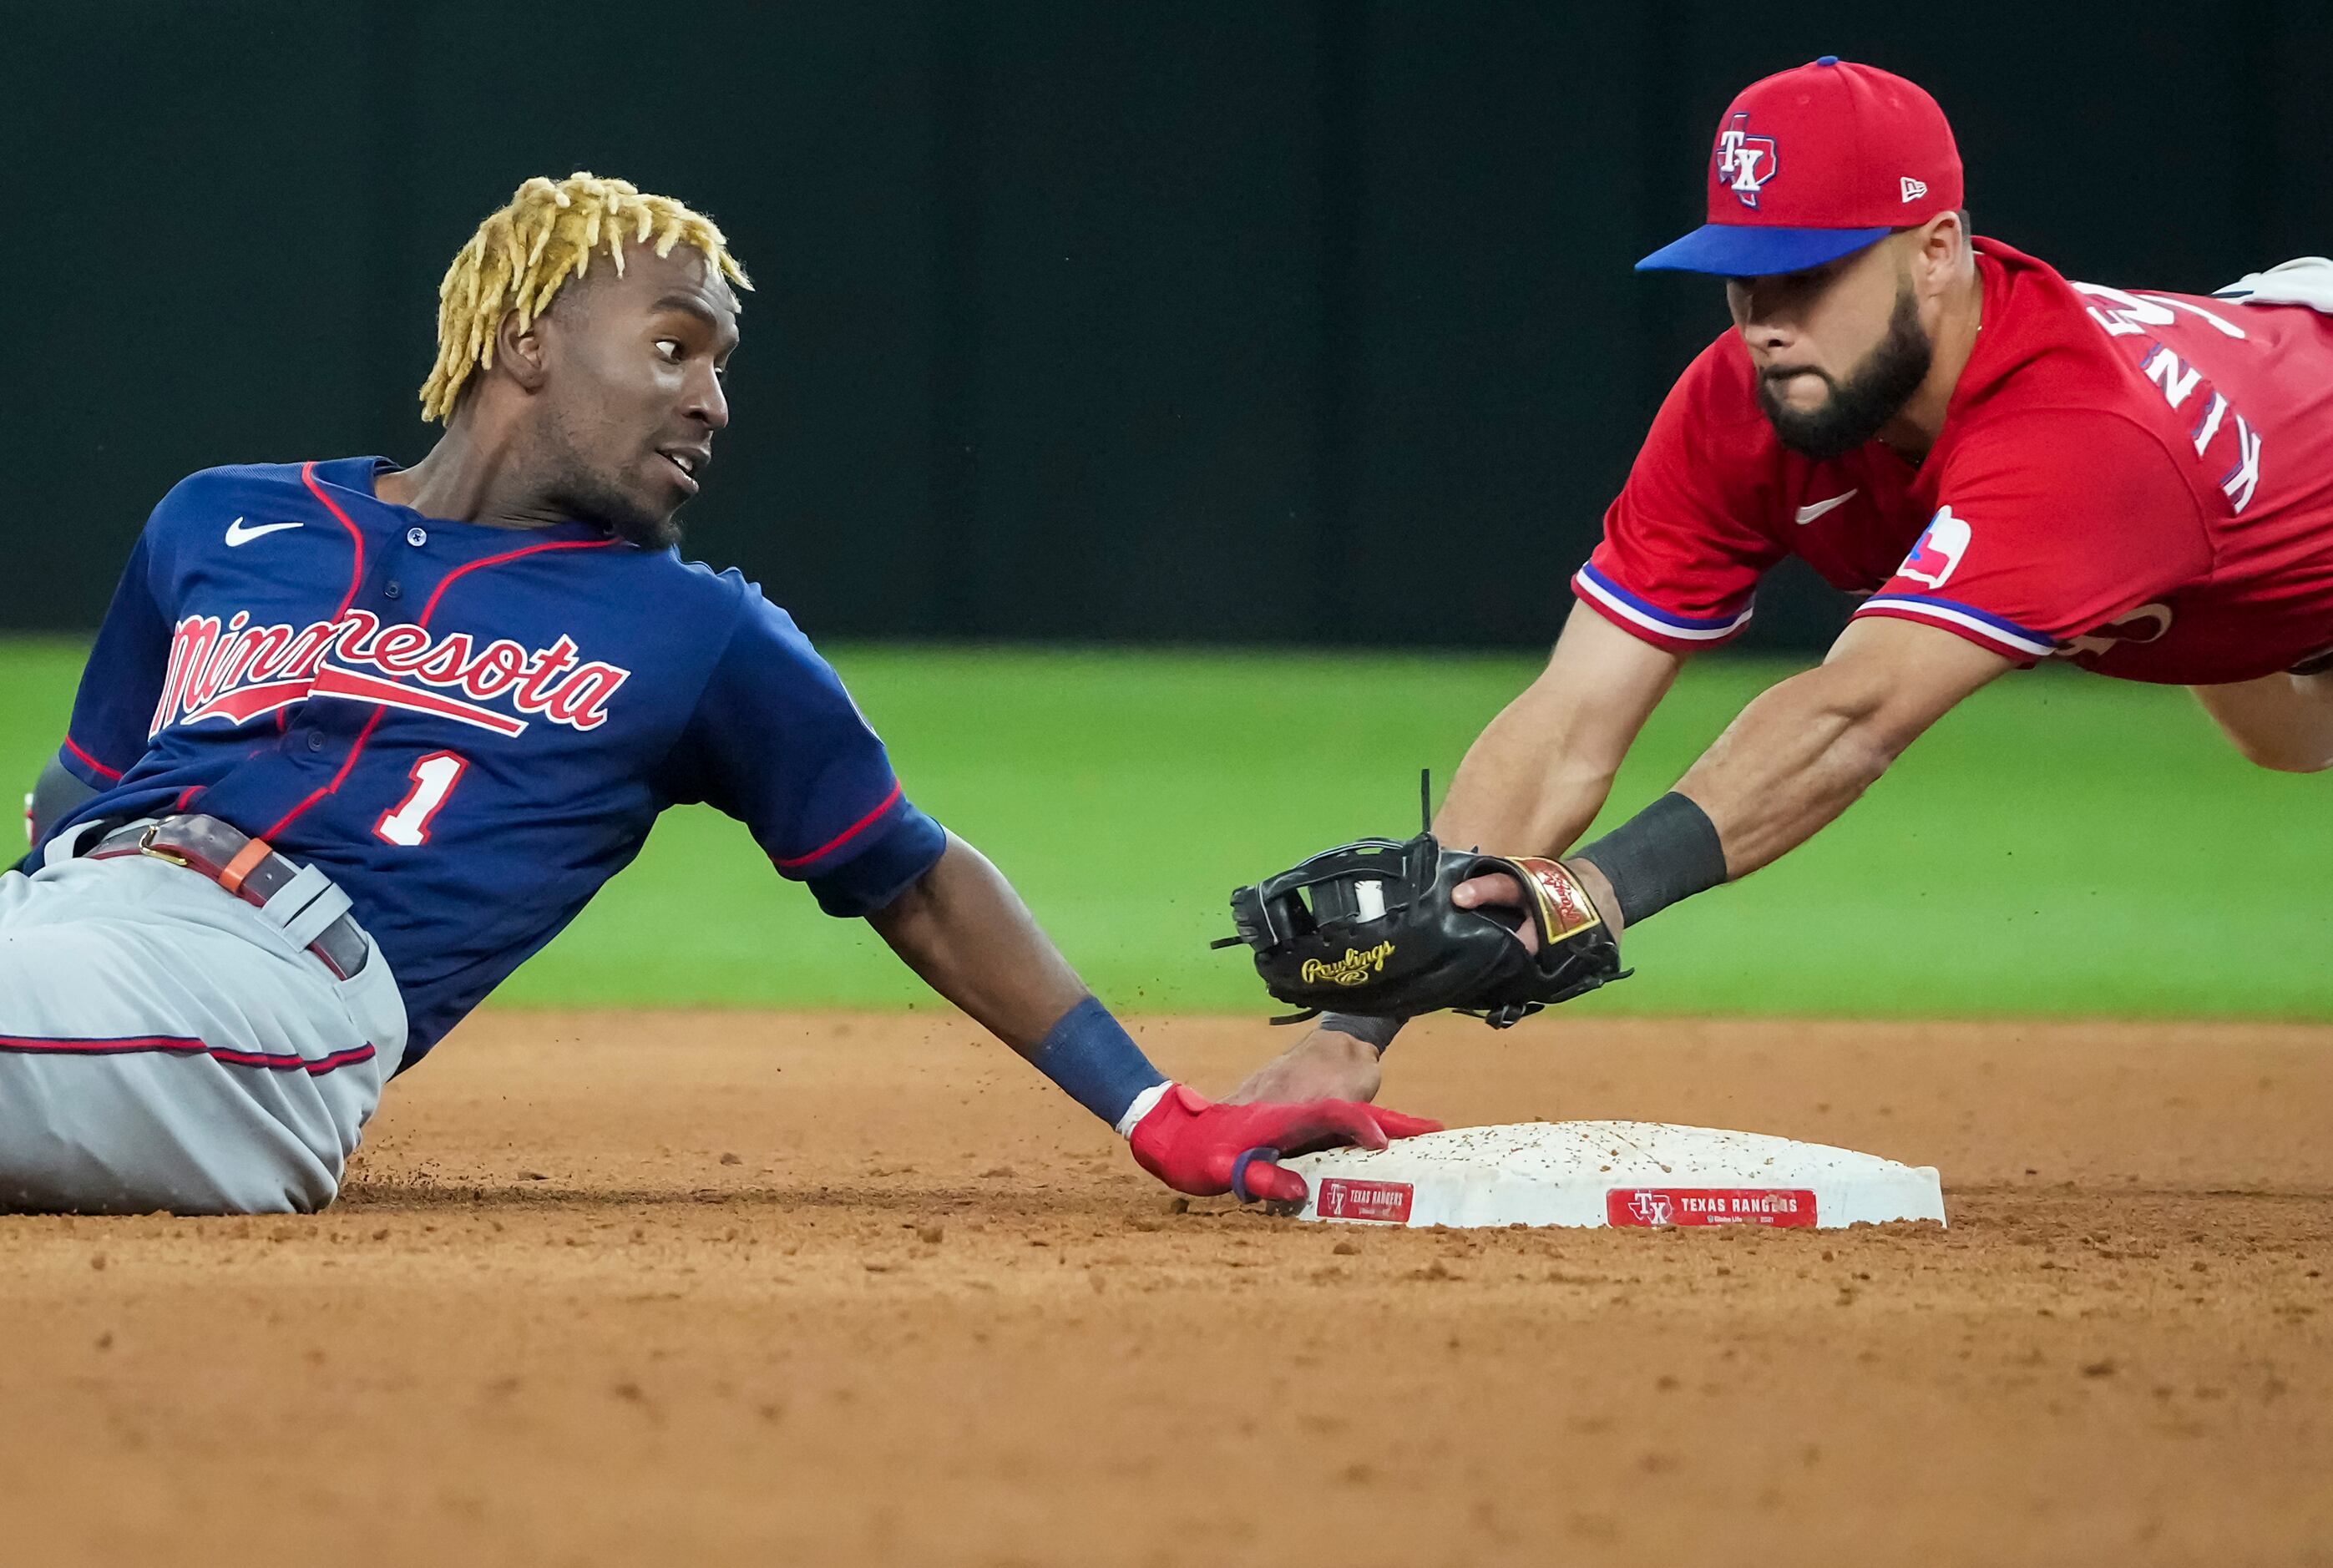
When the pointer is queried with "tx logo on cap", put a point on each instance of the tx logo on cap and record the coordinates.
(1745, 163)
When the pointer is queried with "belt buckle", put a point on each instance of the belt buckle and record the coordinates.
(146, 847)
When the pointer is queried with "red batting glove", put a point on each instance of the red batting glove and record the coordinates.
(1195, 1146)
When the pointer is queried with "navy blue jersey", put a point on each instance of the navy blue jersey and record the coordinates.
(469, 729)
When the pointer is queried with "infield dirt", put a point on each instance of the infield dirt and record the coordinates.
(728, 1288)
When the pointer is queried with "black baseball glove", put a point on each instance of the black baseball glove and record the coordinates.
(1369, 929)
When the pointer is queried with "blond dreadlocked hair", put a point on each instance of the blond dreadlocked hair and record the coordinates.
(521, 255)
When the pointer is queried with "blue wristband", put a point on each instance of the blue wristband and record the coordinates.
(1095, 1061)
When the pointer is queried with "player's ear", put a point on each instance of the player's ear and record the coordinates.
(518, 352)
(1936, 250)
(1943, 239)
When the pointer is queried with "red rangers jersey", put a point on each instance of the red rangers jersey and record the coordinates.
(2140, 482)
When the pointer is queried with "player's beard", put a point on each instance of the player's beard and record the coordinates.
(637, 527)
(579, 491)
(589, 501)
(1873, 393)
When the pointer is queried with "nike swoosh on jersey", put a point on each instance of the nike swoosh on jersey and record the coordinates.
(1808, 514)
(237, 534)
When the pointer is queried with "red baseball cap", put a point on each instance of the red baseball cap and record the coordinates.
(1814, 162)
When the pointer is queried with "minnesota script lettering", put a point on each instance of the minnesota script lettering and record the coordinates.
(238, 672)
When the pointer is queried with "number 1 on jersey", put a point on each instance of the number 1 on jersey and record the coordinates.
(434, 778)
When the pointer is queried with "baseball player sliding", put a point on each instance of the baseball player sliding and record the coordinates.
(2007, 466)
(354, 741)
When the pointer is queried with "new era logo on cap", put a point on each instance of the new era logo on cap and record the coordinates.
(1816, 163)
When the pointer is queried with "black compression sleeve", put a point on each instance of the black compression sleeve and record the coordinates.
(1667, 852)
(1378, 1031)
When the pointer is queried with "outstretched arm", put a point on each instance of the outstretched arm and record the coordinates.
(1798, 757)
(967, 932)
(1540, 772)
(1532, 783)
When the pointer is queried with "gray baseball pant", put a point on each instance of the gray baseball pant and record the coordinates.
(166, 1045)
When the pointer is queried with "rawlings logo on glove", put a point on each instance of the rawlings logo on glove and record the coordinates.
(1352, 969)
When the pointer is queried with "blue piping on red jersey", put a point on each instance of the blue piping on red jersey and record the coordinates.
(847, 834)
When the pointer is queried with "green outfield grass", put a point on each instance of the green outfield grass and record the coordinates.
(2061, 845)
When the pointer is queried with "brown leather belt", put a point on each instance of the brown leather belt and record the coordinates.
(246, 866)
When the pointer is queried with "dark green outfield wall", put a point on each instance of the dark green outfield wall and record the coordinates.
(1244, 321)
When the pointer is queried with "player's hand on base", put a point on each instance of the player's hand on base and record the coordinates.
(1326, 1064)
(1196, 1146)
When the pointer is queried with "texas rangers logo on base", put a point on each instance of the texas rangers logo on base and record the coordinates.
(1385, 1202)
(1745, 163)
(1650, 1209)
(1937, 554)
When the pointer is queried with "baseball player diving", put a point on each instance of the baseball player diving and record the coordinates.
(2007, 466)
(354, 741)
